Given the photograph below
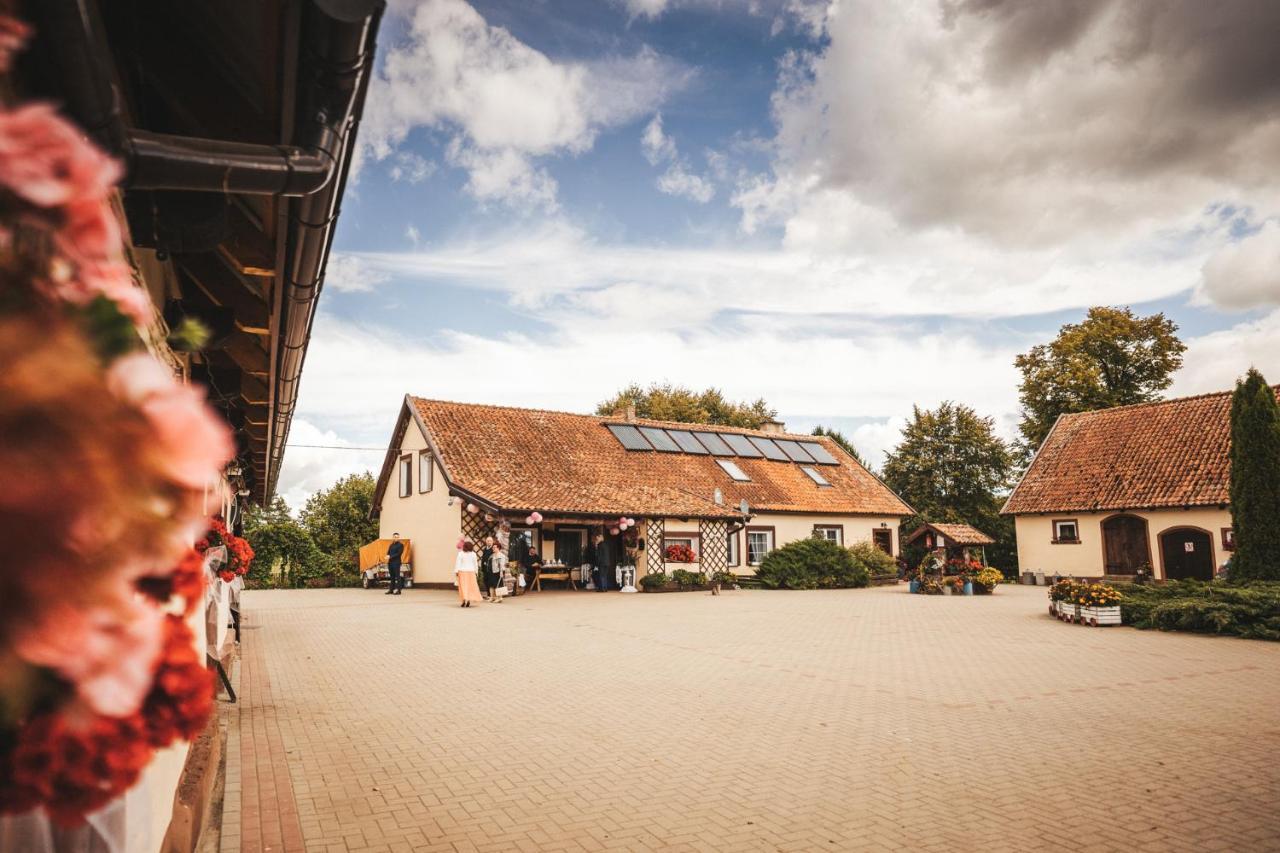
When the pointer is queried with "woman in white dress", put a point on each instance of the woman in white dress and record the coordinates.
(464, 569)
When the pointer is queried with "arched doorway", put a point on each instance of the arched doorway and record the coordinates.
(1187, 552)
(1125, 547)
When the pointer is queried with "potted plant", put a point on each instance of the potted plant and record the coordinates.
(930, 586)
(655, 582)
(1062, 599)
(986, 581)
(913, 581)
(1099, 604)
(680, 554)
(723, 578)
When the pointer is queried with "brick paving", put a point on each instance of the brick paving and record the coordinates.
(860, 719)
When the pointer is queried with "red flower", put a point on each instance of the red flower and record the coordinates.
(181, 697)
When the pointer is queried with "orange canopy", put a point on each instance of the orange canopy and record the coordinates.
(375, 553)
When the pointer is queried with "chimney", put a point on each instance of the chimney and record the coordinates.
(774, 426)
(630, 412)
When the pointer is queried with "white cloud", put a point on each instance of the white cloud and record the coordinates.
(645, 8)
(677, 179)
(349, 274)
(411, 167)
(309, 469)
(1246, 274)
(412, 234)
(1214, 361)
(502, 101)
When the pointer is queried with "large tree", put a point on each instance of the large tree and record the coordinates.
(667, 402)
(282, 547)
(952, 467)
(1255, 480)
(338, 519)
(841, 439)
(1113, 358)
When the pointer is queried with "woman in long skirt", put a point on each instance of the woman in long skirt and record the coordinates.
(464, 570)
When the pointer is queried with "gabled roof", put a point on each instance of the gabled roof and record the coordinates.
(523, 460)
(1171, 453)
(960, 534)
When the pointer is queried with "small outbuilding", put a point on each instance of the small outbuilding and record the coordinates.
(959, 540)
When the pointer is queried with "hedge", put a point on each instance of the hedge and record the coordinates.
(812, 564)
(1250, 610)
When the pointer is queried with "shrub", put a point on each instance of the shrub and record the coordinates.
(654, 581)
(1250, 610)
(686, 579)
(874, 560)
(812, 564)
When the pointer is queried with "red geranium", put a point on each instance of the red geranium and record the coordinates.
(185, 579)
(239, 551)
(181, 697)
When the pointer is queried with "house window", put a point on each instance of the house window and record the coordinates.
(680, 540)
(424, 471)
(1066, 531)
(815, 476)
(883, 540)
(406, 476)
(759, 543)
(732, 469)
(523, 540)
(830, 532)
(734, 557)
(1228, 539)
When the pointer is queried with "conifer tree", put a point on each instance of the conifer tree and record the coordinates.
(1255, 480)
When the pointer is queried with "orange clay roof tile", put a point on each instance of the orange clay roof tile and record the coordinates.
(1170, 453)
(532, 459)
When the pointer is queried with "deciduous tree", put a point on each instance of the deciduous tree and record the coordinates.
(841, 439)
(1112, 358)
(338, 519)
(667, 402)
(1255, 480)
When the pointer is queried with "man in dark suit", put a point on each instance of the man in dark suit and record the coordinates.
(393, 563)
(604, 563)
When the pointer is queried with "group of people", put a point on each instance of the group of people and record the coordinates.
(491, 564)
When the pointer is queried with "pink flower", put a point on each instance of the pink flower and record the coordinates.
(46, 161)
(90, 232)
(189, 437)
(107, 652)
(13, 38)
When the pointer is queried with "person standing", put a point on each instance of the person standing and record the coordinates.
(464, 573)
(394, 554)
(605, 564)
(530, 562)
(495, 573)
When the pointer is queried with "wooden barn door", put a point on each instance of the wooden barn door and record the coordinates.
(1187, 553)
(1124, 544)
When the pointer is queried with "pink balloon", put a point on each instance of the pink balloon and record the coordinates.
(529, 520)
(472, 508)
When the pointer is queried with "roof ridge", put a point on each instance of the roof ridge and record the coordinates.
(1163, 402)
(702, 427)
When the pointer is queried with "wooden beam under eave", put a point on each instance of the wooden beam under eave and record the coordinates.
(254, 390)
(249, 250)
(227, 288)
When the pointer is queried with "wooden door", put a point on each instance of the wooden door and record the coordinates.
(1124, 544)
(1187, 553)
(883, 540)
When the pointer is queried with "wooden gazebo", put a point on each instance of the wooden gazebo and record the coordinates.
(955, 539)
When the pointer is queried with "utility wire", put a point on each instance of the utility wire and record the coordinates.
(337, 447)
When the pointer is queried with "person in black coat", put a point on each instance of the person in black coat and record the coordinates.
(604, 562)
(394, 554)
(530, 562)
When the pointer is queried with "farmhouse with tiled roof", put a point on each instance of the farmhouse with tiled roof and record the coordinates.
(730, 495)
(1141, 487)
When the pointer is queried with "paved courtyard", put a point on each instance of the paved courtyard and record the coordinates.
(860, 719)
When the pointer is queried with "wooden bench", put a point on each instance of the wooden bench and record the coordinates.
(554, 573)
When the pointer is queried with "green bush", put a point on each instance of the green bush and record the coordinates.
(686, 579)
(1250, 610)
(873, 559)
(812, 564)
(654, 581)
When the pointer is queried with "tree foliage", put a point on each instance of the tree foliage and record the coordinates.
(952, 467)
(1112, 358)
(667, 402)
(845, 444)
(283, 550)
(337, 518)
(1255, 480)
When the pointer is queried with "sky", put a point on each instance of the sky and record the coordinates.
(846, 208)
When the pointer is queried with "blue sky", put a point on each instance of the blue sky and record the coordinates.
(846, 207)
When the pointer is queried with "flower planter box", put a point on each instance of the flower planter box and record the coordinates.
(1100, 615)
(1068, 611)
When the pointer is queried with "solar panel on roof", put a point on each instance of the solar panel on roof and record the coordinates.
(714, 443)
(819, 453)
(660, 440)
(739, 443)
(769, 449)
(732, 469)
(814, 475)
(794, 451)
(687, 442)
(629, 437)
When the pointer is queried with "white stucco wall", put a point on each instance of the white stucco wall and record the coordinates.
(1038, 553)
(426, 519)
